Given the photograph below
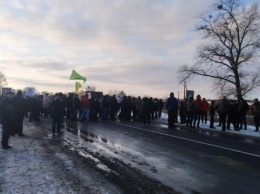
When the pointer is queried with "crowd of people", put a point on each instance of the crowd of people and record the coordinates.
(14, 108)
(192, 112)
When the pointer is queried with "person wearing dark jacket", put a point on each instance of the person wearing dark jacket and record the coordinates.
(19, 112)
(69, 105)
(212, 110)
(183, 111)
(172, 108)
(223, 108)
(191, 109)
(75, 108)
(105, 107)
(112, 107)
(256, 112)
(160, 107)
(7, 119)
(233, 115)
(199, 107)
(57, 114)
(146, 110)
(243, 107)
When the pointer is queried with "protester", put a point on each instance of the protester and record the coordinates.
(242, 109)
(204, 113)
(57, 114)
(191, 109)
(146, 111)
(183, 111)
(151, 107)
(161, 104)
(212, 109)
(172, 108)
(105, 107)
(7, 119)
(233, 116)
(198, 112)
(46, 105)
(75, 107)
(19, 112)
(256, 112)
(223, 108)
(69, 105)
(112, 108)
(138, 105)
(85, 105)
(156, 108)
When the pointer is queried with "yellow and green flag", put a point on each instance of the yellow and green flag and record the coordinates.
(78, 85)
(75, 76)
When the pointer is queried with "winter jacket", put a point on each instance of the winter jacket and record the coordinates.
(205, 106)
(85, 103)
(256, 109)
(57, 108)
(223, 106)
(172, 103)
(199, 105)
(243, 107)
(191, 106)
(7, 111)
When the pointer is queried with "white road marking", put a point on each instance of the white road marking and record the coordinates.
(191, 140)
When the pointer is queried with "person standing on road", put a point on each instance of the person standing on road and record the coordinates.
(172, 108)
(242, 109)
(138, 105)
(161, 104)
(212, 110)
(224, 106)
(19, 112)
(256, 112)
(85, 105)
(198, 112)
(46, 105)
(146, 110)
(204, 114)
(233, 116)
(191, 109)
(57, 114)
(183, 111)
(112, 108)
(7, 119)
(75, 108)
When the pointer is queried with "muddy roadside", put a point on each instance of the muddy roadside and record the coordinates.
(40, 163)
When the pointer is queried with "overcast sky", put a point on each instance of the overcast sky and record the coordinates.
(131, 45)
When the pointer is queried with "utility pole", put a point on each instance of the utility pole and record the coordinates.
(185, 89)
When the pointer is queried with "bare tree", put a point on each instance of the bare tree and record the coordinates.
(231, 36)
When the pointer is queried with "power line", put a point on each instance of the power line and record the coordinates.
(98, 36)
(104, 27)
(102, 43)
(39, 60)
(84, 52)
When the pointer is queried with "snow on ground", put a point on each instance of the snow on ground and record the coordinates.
(249, 132)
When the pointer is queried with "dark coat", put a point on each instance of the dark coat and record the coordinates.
(20, 105)
(57, 108)
(7, 111)
(172, 103)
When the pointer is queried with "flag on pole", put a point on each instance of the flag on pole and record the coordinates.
(75, 76)
(78, 85)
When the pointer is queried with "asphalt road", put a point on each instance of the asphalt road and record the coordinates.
(188, 161)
